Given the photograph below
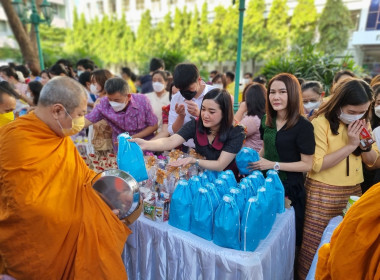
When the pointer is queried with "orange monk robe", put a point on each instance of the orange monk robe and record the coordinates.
(354, 251)
(52, 223)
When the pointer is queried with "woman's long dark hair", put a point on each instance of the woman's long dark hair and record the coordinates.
(351, 91)
(223, 99)
(35, 87)
(255, 99)
(375, 120)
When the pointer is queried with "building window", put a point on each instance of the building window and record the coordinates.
(126, 5)
(100, 7)
(172, 2)
(156, 5)
(58, 10)
(140, 4)
(373, 20)
(112, 6)
(3, 26)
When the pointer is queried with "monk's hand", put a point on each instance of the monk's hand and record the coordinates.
(141, 142)
(116, 212)
(262, 164)
(182, 162)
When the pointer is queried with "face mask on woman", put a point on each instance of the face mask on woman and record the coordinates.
(93, 89)
(219, 86)
(310, 106)
(347, 118)
(158, 87)
(377, 111)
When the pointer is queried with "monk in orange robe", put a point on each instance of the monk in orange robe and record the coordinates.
(53, 225)
(354, 250)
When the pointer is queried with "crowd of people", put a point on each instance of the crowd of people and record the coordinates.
(313, 141)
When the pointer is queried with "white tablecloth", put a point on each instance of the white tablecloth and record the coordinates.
(334, 222)
(159, 251)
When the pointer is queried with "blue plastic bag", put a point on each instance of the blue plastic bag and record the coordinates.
(211, 175)
(245, 189)
(204, 179)
(221, 186)
(256, 183)
(245, 156)
(130, 158)
(279, 191)
(227, 224)
(231, 179)
(239, 198)
(215, 197)
(262, 196)
(270, 189)
(194, 185)
(180, 206)
(251, 225)
(259, 175)
(202, 217)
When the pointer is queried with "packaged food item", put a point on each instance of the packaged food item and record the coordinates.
(365, 139)
(162, 207)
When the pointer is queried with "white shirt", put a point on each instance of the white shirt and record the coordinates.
(179, 99)
(157, 104)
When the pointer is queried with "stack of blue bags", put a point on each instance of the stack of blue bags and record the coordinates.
(215, 207)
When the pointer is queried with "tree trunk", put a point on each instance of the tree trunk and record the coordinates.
(29, 52)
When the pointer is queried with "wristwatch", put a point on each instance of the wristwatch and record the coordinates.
(276, 166)
(197, 162)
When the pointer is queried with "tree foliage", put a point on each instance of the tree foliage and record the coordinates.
(334, 26)
(303, 24)
(278, 27)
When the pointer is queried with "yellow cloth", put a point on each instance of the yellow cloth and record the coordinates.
(53, 225)
(327, 143)
(6, 118)
(354, 250)
(132, 87)
(231, 90)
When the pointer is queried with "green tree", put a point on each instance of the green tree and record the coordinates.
(334, 26)
(278, 27)
(144, 41)
(162, 34)
(216, 38)
(194, 38)
(255, 35)
(303, 23)
(52, 39)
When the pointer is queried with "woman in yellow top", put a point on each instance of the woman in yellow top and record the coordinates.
(337, 165)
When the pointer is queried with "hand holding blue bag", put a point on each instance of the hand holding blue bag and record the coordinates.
(202, 216)
(130, 158)
(244, 157)
(227, 224)
(180, 206)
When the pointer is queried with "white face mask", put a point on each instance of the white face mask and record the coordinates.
(246, 81)
(347, 118)
(93, 89)
(79, 72)
(28, 94)
(219, 86)
(116, 106)
(158, 87)
(310, 106)
(377, 111)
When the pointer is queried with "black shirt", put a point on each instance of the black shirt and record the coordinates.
(292, 142)
(233, 144)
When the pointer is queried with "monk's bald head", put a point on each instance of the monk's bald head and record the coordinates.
(62, 90)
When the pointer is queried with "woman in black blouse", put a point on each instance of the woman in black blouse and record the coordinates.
(289, 142)
(215, 136)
